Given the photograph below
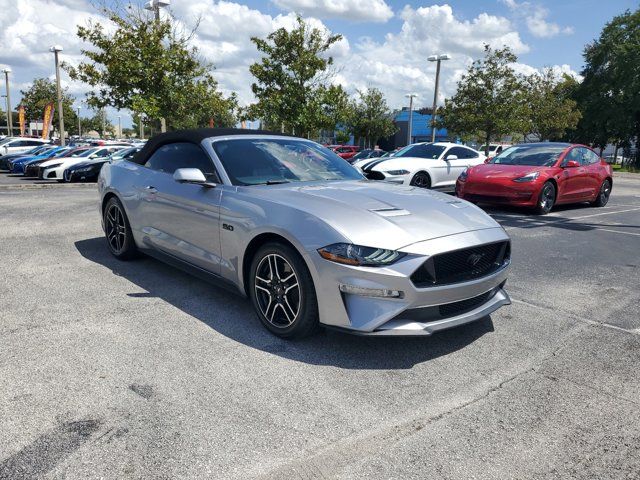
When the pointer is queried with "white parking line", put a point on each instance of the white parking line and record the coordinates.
(618, 231)
(603, 213)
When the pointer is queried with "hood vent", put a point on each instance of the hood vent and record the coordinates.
(390, 212)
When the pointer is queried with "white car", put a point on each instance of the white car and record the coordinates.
(19, 144)
(495, 148)
(54, 169)
(426, 165)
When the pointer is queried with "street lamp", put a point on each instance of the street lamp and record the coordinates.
(119, 126)
(79, 126)
(155, 6)
(436, 58)
(7, 71)
(410, 96)
(141, 120)
(56, 49)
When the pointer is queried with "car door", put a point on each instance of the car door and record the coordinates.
(458, 165)
(181, 219)
(574, 179)
(594, 172)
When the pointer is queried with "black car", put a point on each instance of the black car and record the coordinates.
(368, 153)
(88, 171)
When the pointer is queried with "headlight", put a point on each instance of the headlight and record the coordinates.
(529, 177)
(397, 172)
(55, 165)
(358, 255)
(463, 176)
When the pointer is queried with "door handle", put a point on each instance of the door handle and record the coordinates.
(151, 189)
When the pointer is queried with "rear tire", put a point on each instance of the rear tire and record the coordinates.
(603, 195)
(421, 180)
(118, 231)
(546, 199)
(282, 291)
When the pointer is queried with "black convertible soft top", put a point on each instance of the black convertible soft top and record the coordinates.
(192, 136)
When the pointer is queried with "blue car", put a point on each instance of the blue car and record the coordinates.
(18, 165)
(5, 159)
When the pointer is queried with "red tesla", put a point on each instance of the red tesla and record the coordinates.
(539, 175)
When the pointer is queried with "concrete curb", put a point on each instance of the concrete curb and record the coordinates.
(39, 186)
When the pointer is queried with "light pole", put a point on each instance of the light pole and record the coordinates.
(7, 71)
(436, 58)
(119, 126)
(79, 126)
(141, 120)
(155, 6)
(410, 96)
(56, 49)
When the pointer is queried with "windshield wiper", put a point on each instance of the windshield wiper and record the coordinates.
(276, 182)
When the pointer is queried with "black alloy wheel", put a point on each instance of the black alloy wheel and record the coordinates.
(603, 195)
(118, 230)
(547, 198)
(282, 292)
(421, 180)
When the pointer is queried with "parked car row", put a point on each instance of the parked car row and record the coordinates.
(64, 164)
(534, 175)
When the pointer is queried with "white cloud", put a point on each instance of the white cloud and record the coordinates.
(535, 17)
(396, 63)
(354, 10)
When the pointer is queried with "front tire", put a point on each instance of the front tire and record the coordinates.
(603, 195)
(546, 199)
(282, 291)
(118, 231)
(421, 180)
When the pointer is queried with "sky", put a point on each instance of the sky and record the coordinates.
(385, 42)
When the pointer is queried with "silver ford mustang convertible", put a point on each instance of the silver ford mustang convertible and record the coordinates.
(301, 232)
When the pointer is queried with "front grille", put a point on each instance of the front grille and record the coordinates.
(462, 265)
(31, 171)
(40, 172)
(371, 175)
(463, 306)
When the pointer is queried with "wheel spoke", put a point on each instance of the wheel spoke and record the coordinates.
(260, 279)
(275, 266)
(286, 314)
(286, 290)
(293, 314)
(266, 290)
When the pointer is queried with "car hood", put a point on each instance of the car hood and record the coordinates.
(88, 163)
(379, 214)
(500, 172)
(399, 163)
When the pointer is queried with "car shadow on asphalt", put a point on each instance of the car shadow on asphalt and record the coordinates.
(232, 315)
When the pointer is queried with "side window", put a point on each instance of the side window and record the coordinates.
(575, 155)
(591, 157)
(459, 152)
(169, 158)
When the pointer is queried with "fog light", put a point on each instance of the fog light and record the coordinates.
(370, 292)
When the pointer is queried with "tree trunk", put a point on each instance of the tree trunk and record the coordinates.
(615, 154)
(487, 140)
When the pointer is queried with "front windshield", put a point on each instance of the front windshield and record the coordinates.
(86, 153)
(258, 161)
(531, 155)
(421, 150)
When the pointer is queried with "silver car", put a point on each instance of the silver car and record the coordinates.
(301, 232)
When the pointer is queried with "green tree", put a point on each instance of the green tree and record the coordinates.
(609, 95)
(148, 67)
(548, 109)
(371, 118)
(43, 91)
(488, 100)
(291, 79)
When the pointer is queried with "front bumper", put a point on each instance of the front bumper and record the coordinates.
(524, 194)
(417, 311)
(51, 173)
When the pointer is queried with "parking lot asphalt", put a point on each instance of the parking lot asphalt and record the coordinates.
(115, 369)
